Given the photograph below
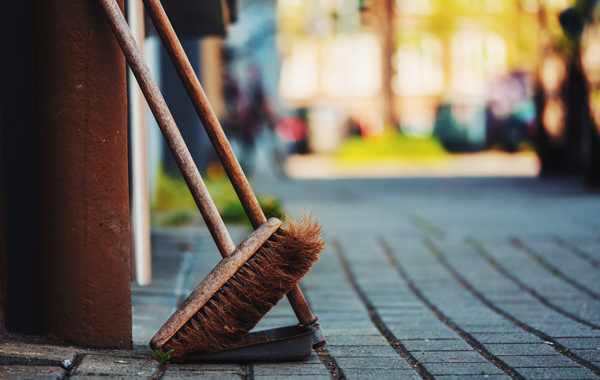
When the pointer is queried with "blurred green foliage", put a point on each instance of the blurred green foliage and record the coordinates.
(171, 194)
(234, 212)
(173, 204)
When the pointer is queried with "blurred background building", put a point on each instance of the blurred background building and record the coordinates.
(408, 64)
(393, 79)
(395, 83)
(467, 72)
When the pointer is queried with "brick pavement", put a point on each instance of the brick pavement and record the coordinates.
(420, 278)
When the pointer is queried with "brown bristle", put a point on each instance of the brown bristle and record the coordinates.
(254, 289)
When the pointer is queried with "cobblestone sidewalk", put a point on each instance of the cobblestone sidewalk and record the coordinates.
(420, 278)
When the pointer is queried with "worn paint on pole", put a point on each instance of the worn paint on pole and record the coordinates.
(81, 134)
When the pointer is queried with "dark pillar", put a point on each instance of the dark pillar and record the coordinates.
(81, 133)
(3, 271)
(18, 151)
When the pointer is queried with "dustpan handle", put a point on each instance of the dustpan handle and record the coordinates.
(168, 127)
(218, 138)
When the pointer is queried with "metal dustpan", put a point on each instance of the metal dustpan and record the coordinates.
(289, 343)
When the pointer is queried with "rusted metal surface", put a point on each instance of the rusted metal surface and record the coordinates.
(81, 133)
(217, 137)
(168, 127)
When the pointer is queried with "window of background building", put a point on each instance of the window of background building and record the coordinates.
(419, 66)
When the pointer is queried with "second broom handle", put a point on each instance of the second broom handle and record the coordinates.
(168, 127)
(217, 137)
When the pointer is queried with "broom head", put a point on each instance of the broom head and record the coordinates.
(242, 288)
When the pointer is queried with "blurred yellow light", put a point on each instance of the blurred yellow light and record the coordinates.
(414, 7)
(554, 118)
(531, 6)
(594, 105)
(553, 74)
(590, 53)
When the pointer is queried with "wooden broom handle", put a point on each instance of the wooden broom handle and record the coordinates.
(217, 137)
(168, 127)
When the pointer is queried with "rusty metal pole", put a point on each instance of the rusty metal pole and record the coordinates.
(81, 136)
(386, 13)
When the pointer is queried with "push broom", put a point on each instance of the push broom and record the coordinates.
(252, 277)
(222, 147)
